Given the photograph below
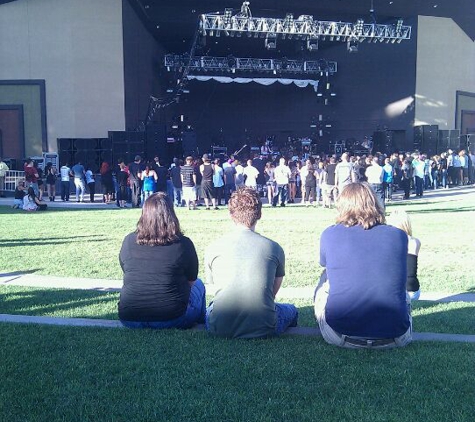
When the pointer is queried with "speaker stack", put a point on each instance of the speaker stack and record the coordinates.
(126, 145)
(426, 138)
(91, 152)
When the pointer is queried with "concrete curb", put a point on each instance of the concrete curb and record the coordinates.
(299, 331)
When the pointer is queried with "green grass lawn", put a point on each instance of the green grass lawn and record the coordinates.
(76, 374)
(86, 243)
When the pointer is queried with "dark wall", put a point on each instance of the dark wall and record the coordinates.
(142, 64)
(366, 82)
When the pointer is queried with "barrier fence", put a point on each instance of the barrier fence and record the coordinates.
(12, 178)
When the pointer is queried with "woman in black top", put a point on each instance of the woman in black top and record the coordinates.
(51, 172)
(160, 266)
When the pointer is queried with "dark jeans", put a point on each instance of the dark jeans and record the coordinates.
(379, 191)
(65, 189)
(136, 188)
(388, 190)
(406, 186)
(419, 185)
(92, 190)
(280, 192)
(228, 190)
(218, 192)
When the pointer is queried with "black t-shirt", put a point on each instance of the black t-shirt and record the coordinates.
(19, 194)
(331, 174)
(162, 175)
(156, 279)
(135, 169)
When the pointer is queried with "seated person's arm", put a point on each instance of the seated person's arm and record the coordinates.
(277, 284)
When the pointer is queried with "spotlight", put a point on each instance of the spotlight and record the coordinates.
(352, 46)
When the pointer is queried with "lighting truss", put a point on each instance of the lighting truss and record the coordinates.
(232, 64)
(304, 27)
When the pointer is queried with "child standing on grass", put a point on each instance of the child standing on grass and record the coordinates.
(401, 220)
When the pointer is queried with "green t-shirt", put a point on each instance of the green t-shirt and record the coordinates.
(243, 265)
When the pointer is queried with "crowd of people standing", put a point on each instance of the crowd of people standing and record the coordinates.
(316, 180)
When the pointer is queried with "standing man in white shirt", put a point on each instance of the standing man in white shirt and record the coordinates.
(64, 172)
(251, 174)
(281, 175)
(375, 173)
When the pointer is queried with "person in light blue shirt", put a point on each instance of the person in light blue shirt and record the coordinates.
(388, 180)
(419, 166)
(78, 173)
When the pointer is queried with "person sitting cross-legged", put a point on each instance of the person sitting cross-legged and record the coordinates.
(361, 300)
(248, 270)
(160, 266)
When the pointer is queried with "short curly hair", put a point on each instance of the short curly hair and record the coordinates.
(245, 206)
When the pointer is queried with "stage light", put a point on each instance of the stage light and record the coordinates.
(352, 46)
(302, 27)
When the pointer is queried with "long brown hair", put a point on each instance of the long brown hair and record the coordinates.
(158, 224)
(357, 204)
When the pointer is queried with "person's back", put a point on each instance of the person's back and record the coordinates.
(361, 298)
(330, 174)
(368, 292)
(247, 270)
(78, 171)
(245, 265)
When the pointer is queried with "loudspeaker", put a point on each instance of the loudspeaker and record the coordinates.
(379, 141)
(126, 145)
(189, 144)
(156, 143)
(426, 138)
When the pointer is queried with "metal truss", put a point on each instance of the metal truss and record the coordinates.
(236, 64)
(304, 27)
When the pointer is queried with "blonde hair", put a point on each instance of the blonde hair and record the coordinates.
(401, 220)
(357, 204)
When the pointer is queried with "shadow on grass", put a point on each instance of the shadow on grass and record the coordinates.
(59, 302)
(19, 273)
(11, 243)
(444, 210)
(455, 317)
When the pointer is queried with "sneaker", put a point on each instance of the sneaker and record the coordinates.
(216, 208)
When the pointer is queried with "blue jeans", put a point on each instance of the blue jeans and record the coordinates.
(177, 196)
(195, 312)
(287, 316)
(280, 192)
(80, 188)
